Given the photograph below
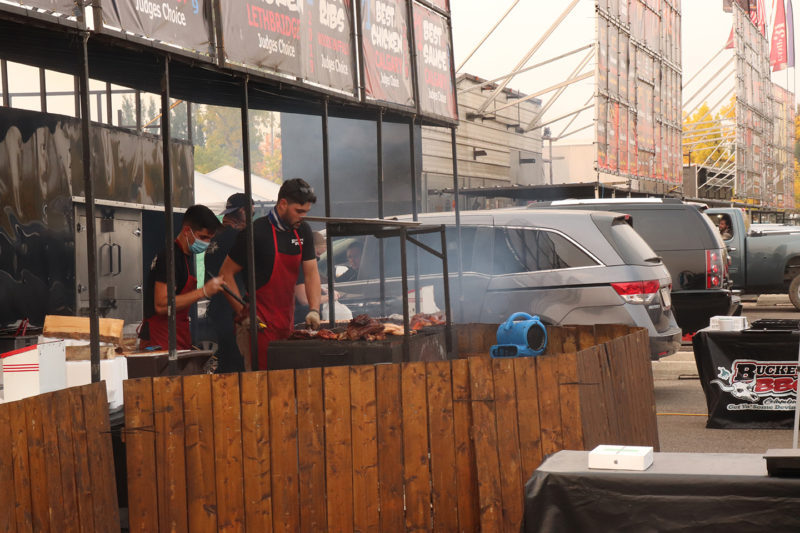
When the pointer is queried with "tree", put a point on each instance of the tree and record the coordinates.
(708, 137)
(222, 141)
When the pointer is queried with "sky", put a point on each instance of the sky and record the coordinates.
(705, 29)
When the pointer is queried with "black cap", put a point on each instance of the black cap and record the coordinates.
(235, 201)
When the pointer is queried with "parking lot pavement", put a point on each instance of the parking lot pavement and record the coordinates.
(681, 405)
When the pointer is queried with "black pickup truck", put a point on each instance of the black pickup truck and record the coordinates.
(690, 247)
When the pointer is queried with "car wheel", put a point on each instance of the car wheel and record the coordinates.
(794, 292)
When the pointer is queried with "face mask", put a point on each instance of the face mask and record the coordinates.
(198, 246)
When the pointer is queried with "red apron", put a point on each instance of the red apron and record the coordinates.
(159, 325)
(275, 299)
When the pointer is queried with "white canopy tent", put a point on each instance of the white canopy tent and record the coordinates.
(214, 188)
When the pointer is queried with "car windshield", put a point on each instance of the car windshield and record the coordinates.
(628, 244)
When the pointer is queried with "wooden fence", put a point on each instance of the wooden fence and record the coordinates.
(443, 446)
(56, 464)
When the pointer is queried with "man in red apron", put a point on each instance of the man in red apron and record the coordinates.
(198, 226)
(283, 244)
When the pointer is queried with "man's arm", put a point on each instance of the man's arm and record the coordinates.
(228, 272)
(182, 301)
(313, 289)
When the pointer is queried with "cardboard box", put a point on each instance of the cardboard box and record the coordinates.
(32, 370)
(112, 371)
(610, 457)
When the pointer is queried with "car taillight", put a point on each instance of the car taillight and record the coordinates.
(714, 269)
(637, 292)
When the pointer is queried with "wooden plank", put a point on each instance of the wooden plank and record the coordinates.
(101, 456)
(256, 451)
(77, 327)
(283, 448)
(617, 389)
(140, 455)
(19, 457)
(55, 494)
(338, 448)
(66, 446)
(593, 411)
(83, 474)
(512, 488)
(549, 403)
(555, 340)
(8, 498)
(569, 391)
(170, 453)
(466, 469)
(484, 431)
(227, 408)
(37, 465)
(442, 447)
(201, 488)
(390, 447)
(311, 449)
(417, 478)
(569, 339)
(366, 515)
(608, 387)
(586, 337)
(528, 415)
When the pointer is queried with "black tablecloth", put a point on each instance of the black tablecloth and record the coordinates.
(748, 377)
(679, 492)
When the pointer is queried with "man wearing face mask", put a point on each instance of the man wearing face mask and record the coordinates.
(197, 228)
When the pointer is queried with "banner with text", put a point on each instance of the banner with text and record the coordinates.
(387, 53)
(444, 5)
(265, 34)
(65, 7)
(434, 64)
(183, 23)
(331, 36)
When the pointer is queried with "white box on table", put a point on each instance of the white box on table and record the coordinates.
(32, 370)
(611, 457)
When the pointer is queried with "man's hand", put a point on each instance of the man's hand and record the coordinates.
(213, 286)
(312, 319)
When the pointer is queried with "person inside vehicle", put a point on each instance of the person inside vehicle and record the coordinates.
(725, 229)
(283, 245)
(199, 225)
(354, 252)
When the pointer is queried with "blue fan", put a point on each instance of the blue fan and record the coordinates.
(520, 336)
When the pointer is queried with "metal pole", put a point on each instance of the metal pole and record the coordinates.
(550, 142)
(43, 90)
(4, 81)
(248, 191)
(458, 225)
(381, 249)
(91, 236)
(545, 91)
(447, 309)
(109, 105)
(138, 102)
(404, 283)
(326, 177)
(534, 122)
(360, 51)
(169, 235)
(483, 84)
(415, 213)
(527, 57)
(703, 68)
(189, 132)
(488, 34)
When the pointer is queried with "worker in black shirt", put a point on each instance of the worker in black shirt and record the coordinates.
(219, 313)
(283, 244)
(198, 227)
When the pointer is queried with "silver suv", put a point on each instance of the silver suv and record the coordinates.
(567, 267)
